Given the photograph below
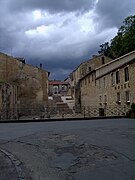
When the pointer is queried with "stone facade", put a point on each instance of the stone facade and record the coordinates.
(87, 90)
(58, 87)
(8, 101)
(110, 84)
(31, 82)
(83, 69)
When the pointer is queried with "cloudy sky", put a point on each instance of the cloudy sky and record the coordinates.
(60, 34)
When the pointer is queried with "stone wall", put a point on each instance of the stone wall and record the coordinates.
(93, 63)
(88, 91)
(8, 101)
(84, 68)
(104, 88)
(31, 82)
(58, 87)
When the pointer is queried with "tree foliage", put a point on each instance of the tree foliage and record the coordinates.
(123, 42)
(105, 49)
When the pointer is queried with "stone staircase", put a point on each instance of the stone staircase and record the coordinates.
(57, 99)
(62, 106)
(69, 100)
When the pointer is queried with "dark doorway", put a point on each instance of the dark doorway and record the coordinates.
(101, 112)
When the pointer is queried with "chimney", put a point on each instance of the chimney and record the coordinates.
(40, 66)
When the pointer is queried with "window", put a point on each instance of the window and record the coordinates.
(92, 77)
(55, 90)
(71, 77)
(126, 74)
(89, 69)
(85, 81)
(104, 83)
(117, 77)
(112, 79)
(100, 99)
(99, 83)
(81, 84)
(103, 60)
(63, 88)
(127, 96)
(105, 99)
(118, 97)
(89, 79)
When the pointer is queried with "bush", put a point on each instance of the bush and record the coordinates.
(133, 107)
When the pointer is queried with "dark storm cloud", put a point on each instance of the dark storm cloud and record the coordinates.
(62, 33)
(52, 6)
(112, 12)
(62, 63)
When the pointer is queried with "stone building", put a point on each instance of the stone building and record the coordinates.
(31, 82)
(112, 84)
(58, 87)
(82, 70)
(8, 101)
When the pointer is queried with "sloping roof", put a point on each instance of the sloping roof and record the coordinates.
(115, 64)
(58, 83)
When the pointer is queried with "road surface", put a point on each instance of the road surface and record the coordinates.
(75, 150)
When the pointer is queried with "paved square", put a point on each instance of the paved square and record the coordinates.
(76, 150)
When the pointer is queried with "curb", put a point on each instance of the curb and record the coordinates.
(16, 163)
(62, 119)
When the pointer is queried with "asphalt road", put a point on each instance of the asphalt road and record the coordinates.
(76, 150)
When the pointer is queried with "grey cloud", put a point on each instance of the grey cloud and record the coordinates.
(7, 40)
(60, 72)
(112, 12)
(66, 44)
(62, 62)
(51, 6)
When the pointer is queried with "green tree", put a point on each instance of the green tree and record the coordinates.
(116, 45)
(123, 42)
(105, 49)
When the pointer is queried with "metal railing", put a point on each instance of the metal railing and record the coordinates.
(52, 112)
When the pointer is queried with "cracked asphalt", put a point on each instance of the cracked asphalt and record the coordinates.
(75, 150)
